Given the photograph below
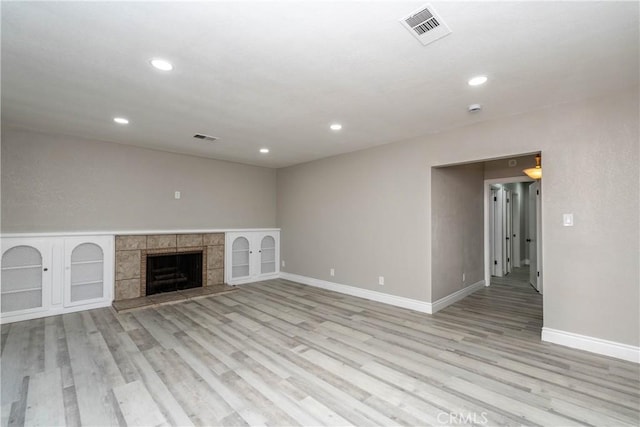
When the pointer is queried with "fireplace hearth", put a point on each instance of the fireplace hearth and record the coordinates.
(173, 272)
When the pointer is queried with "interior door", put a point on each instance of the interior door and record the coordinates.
(532, 235)
(539, 237)
(508, 226)
(497, 231)
(515, 231)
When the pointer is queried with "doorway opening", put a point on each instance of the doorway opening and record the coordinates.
(513, 230)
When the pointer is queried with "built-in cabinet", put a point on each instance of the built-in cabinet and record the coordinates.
(26, 276)
(54, 275)
(252, 256)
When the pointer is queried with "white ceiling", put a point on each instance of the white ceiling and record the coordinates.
(276, 74)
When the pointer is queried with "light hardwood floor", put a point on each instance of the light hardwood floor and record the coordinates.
(279, 353)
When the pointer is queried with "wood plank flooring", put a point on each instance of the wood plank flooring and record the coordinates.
(279, 353)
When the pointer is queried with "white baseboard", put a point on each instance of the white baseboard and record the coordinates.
(456, 296)
(594, 345)
(248, 280)
(412, 304)
(52, 311)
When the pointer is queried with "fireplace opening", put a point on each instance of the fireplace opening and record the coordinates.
(173, 272)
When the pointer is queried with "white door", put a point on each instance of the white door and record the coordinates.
(26, 276)
(497, 231)
(515, 231)
(508, 226)
(539, 237)
(532, 235)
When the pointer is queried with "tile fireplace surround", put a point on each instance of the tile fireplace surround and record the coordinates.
(132, 251)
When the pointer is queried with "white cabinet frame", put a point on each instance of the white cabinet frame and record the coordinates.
(45, 248)
(256, 258)
(56, 275)
(105, 243)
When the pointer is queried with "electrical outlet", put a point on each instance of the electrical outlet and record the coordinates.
(283, 263)
(332, 272)
(176, 195)
(463, 277)
(381, 280)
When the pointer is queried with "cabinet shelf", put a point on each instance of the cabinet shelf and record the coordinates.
(18, 291)
(21, 267)
(92, 282)
(98, 261)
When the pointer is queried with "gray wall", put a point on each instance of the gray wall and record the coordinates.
(369, 213)
(362, 214)
(457, 228)
(56, 183)
(496, 169)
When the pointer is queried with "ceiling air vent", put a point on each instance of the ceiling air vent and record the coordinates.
(425, 25)
(205, 137)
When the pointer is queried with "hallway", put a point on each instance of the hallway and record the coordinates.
(519, 276)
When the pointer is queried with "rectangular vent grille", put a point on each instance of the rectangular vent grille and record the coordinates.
(422, 21)
(425, 25)
(205, 137)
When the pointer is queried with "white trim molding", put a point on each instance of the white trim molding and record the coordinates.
(412, 304)
(132, 232)
(55, 311)
(456, 296)
(594, 345)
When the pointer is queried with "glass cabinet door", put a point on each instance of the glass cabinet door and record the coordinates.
(22, 279)
(240, 261)
(87, 273)
(267, 255)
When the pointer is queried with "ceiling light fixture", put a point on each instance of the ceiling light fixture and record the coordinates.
(121, 120)
(161, 64)
(477, 80)
(336, 126)
(264, 150)
(535, 173)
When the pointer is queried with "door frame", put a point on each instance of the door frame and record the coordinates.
(487, 219)
(496, 213)
(507, 228)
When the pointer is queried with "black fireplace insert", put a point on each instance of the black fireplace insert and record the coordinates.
(173, 272)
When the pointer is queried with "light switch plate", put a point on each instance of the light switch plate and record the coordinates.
(567, 220)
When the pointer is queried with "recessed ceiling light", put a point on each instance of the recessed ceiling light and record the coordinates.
(161, 64)
(264, 150)
(121, 120)
(477, 80)
(335, 126)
